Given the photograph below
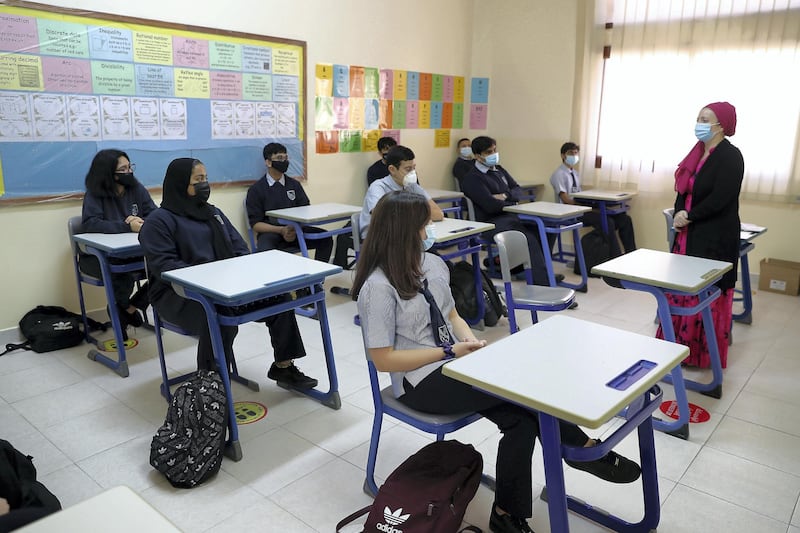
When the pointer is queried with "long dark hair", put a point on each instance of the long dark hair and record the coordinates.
(393, 243)
(100, 178)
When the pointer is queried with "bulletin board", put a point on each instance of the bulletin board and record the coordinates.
(75, 82)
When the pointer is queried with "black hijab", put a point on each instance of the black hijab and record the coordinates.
(177, 200)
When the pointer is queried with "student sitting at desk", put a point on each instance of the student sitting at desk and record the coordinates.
(276, 190)
(411, 328)
(566, 179)
(465, 160)
(380, 168)
(491, 188)
(402, 176)
(115, 202)
(187, 231)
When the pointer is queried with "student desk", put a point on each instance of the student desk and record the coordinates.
(530, 190)
(662, 273)
(107, 246)
(451, 198)
(608, 202)
(246, 279)
(311, 215)
(118, 509)
(585, 373)
(747, 233)
(464, 235)
(551, 217)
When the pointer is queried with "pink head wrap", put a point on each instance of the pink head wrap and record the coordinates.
(726, 115)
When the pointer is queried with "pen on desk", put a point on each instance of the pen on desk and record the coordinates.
(461, 229)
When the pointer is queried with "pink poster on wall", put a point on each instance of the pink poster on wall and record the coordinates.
(477, 116)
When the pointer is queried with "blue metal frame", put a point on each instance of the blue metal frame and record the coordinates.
(547, 225)
(606, 208)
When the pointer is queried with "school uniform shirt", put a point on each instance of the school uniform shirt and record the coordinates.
(378, 190)
(103, 214)
(565, 179)
(461, 167)
(388, 320)
(267, 194)
(482, 182)
(173, 241)
(376, 171)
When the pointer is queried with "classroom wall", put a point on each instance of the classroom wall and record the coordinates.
(529, 50)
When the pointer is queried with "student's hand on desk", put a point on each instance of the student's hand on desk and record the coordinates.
(288, 233)
(135, 223)
(465, 347)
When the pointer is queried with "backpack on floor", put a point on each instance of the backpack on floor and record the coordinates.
(188, 448)
(19, 487)
(48, 327)
(428, 493)
(462, 286)
(596, 250)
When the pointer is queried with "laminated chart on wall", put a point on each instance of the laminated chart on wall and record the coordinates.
(479, 103)
(357, 105)
(72, 83)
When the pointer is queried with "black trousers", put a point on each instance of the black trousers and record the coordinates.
(512, 222)
(284, 333)
(121, 283)
(439, 394)
(274, 241)
(621, 223)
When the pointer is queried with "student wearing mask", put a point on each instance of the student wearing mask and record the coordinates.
(115, 202)
(380, 168)
(186, 230)
(465, 160)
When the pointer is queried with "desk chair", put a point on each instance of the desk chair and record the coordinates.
(386, 404)
(251, 235)
(512, 247)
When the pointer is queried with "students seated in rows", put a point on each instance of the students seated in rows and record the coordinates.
(567, 180)
(380, 168)
(491, 188)
(187, 231)
(402, 176)
(411, 328)
(115, 202)
(276, 190)
(465, 161)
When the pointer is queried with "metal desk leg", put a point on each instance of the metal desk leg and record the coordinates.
(556, 496)
(746, 316)
(120, 365)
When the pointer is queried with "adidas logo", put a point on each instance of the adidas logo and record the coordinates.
(62, 326)
(393, 518)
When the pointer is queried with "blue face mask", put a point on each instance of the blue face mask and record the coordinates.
(430, 237)
(702, 130)
(466, 152)
(572, 160)
(492, 160)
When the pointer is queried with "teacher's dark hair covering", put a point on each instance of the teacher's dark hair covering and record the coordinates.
(100, 178)
(393, 243)
(177, 200)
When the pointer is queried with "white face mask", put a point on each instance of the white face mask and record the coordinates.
(430, 237)
(466, 152)
(572, 160)
(410, 178)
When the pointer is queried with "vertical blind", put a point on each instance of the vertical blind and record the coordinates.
(658, 62)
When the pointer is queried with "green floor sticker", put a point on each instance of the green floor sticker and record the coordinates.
(249, 412)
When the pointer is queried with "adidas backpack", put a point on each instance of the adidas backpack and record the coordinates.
(428, 493)
(188, 448)
(462, 286)
(49, 327)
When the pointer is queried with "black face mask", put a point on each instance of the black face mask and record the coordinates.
(125, 179)
(281, 166)
(202, 191)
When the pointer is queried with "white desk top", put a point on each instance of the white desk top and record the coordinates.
(561, 366)
(239, 277)
(663, 269)
(748, 231)
(109, 242)
(605, 195)
(442, 194)
(119, 509)
(314, 212)
(454, 228)
(548, 209)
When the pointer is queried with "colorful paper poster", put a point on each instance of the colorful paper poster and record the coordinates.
(224, 85)
(286, 61)
(189, 83)
(341, 81)
(425, 85)
(20, 72)
(386, 84)
(447, 88)
(457, 117)
(114, 44)
(350, 141)
(284, 88)
(385, 114)
(371, 113)
(447, 114)
(441, 139)
(357, 82)
(412, 92)
(371, 81)
(153, 48)
(356, 113)
(58, 38)
(479, 93)
(436, 115)
(327, 142)
(437, 88)
(400, 86)
(324, 80)
(190, 52)
(257, 59)
(323, 116)
(66, 75)
(341, 113)
(478, 116)
(458, 89)
(399, 114)
(424, 115)
(412, 114)
(369, 142)
(394, 134)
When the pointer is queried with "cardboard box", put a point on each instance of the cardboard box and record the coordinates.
(779, 276)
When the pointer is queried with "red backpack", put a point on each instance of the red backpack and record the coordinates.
(428, 493)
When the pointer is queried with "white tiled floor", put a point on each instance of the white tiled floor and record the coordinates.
(303, 464)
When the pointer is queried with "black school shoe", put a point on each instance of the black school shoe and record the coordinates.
(612, 467)
(291, 376)
(507, 523)
(129, 319)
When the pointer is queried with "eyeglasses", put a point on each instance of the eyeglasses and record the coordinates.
(129, 168)
(280, 158)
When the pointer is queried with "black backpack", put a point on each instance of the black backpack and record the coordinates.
(462, 286)
(27, 498)
(428, 493)
(188, 448)
(49, 327)
(596, 250)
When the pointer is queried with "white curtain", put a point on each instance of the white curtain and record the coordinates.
(664, 60)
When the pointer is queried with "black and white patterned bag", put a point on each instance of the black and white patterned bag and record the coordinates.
(188, 448)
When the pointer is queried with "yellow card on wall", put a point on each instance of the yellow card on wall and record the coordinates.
(441, 139)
